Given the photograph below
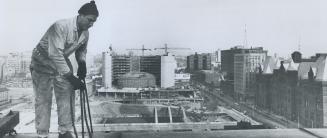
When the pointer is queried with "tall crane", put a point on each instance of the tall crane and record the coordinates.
(175, 48)
(143, 49)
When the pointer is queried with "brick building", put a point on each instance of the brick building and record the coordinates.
(295, 90)
(198, 62)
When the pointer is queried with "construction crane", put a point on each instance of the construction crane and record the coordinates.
(175, 48)
(143, 49)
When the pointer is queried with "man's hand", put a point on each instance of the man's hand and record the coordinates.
(81, 71)
(77, 83)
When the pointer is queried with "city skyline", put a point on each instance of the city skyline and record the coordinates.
(204, 26)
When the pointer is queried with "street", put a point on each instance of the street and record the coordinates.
(267, 119)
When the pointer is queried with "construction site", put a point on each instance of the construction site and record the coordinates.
(138, 93)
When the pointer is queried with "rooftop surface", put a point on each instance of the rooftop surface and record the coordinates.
(254, 133)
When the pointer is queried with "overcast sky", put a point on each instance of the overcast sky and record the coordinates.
(202, 25)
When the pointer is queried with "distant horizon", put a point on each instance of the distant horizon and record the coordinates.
(161, 52)
(278, 26)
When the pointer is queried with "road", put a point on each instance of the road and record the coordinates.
(267, 119)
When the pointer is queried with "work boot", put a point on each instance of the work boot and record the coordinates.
(42, 133)
(66, 135)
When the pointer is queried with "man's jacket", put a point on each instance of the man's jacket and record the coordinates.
(58, 43)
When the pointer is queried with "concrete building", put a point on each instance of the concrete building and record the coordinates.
(121, 64)
(13, 65)
(135, 63)
(107, 70)
(227, 66)
(162, 67)
(216, 61)
(198, 62)
(168, 66)
(16, 65)
(25, 62)
(136, 80)
(245, 67)
(296, 91)
(152, 65)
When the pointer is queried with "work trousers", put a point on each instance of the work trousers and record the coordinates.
(43, 85)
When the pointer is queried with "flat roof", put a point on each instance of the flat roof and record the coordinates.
(251, 133)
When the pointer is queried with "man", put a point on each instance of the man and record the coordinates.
(52, 70)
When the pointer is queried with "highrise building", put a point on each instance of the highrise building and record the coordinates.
(168, 66)
(244, 60)
(121, 64)
(161, 67)
(13, 65)
(107, 70)
(198, 62)
(17, 63)
(25, 62)
(152, 65)
(245, 68)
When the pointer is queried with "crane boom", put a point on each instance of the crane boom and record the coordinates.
(143, 49)
(166, 48)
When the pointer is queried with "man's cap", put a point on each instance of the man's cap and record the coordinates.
(89, 9)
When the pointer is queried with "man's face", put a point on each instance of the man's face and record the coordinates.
(86, 21)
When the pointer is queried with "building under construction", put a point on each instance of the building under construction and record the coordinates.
(162, 67)
(142, 79)
(120, 66)
(137, 80)
(152, 64)
(150, 95)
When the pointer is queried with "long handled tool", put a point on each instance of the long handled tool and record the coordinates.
(83, 98)
(72, 96)
(88, 106)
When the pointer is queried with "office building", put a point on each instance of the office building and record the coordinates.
(121, 64)
(228, 69)
(245, 68)
(107, 70)
(197, 62)
(168, 66)
(161, 67)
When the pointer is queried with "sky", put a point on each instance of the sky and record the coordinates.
(279, 26)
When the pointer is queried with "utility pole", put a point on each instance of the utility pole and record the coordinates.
(245, 43)
(298, 121)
